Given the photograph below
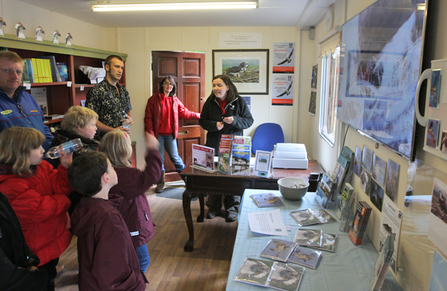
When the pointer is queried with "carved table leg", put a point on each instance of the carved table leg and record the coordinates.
(202, 208)
(189, 245)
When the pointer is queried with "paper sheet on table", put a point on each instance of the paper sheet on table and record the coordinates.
(268, 222)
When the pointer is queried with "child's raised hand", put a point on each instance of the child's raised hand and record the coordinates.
(151, 141)
(66, 159)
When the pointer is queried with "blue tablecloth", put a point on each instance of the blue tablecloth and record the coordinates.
(348, 269)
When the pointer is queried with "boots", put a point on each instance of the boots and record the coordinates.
(160, 183)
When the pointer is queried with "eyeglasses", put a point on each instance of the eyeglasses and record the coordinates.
(11, 71)
(169, 84)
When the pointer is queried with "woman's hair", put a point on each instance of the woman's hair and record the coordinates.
(172, 81)
(16, 144)
(116, 145)
(85, 173)
(232, 91)
(77, 116)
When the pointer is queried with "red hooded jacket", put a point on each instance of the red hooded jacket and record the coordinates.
(40, 203)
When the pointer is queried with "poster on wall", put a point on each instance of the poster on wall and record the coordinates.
(282, 93)
(248, 101)
(284, 57)
(437, 219)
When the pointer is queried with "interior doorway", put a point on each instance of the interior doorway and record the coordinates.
(188, 70)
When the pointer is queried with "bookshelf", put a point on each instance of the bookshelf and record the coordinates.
(61, 95)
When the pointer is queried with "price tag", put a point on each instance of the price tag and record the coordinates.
(69, 84)
(81, 88)
(27, 86)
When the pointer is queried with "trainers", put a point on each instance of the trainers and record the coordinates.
(160, 183)
(210, 215)
(232, 216)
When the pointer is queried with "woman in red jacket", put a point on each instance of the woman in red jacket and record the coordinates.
(161, 120)
(37, 192)
(132, 185)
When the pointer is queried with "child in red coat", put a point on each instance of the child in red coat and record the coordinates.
(132, 185)
(37, 192)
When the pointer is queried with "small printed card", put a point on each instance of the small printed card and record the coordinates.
(278, 249)
(305, 257)
(267, 200)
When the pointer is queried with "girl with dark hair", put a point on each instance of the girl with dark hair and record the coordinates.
(161, 120)
(224, 112)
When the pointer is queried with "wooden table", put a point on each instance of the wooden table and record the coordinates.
(199, 183)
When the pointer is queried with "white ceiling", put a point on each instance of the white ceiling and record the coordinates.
(298, 13)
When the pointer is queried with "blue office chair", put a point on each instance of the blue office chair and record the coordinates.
(266, 136)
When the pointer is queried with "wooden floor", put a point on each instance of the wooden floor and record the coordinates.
(206, 268)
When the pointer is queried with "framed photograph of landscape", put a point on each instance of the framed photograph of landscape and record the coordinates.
(247, 69)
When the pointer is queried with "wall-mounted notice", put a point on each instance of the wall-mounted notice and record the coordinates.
(284, 57)
(282, 93)
(240, 40)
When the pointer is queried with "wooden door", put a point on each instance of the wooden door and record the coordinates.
(188, 70)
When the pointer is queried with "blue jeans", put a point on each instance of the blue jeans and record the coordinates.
(143, 257)
(169, 143)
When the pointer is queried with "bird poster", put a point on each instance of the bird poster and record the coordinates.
(284, 57)
(282, 93)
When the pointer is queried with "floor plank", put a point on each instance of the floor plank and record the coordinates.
(206, 268)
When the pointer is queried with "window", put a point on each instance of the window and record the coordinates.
(330, 67)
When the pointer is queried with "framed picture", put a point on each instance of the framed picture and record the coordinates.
(247, 69)
(432, 134)
(435, 88)
(313, 83)
(313, 102)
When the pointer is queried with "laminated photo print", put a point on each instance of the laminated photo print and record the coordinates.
(309, 237)
(286, 277)
(254, 271)
(304, 217)
(305, 257)
(329, 242)
(278, 249)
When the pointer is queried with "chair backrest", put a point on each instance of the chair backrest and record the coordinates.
(266, 136)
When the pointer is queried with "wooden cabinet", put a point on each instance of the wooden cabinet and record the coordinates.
(61, 95)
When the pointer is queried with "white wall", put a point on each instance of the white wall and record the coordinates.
(84, 34)
(138, 43)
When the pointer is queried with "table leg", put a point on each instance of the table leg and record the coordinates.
(189, 245)
(202, 208)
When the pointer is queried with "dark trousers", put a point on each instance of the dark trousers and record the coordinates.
(231, 203)
(50, 267)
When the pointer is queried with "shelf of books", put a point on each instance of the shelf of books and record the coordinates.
(52, 71)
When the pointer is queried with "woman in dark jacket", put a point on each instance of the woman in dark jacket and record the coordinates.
(224, 112)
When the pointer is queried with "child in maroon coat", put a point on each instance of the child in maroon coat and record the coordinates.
(106, 256)
(132, 185)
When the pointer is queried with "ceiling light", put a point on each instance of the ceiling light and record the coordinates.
(173, 6)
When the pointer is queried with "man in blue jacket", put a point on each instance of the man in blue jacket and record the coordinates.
(18, 107)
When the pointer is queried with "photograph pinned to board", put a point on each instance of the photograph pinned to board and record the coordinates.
(263, 163)
(247, 69)
(437, 219)
(432, 135)
(313, 102)
(435, 88)
(367, 159)
(313, 83)
(376, 194)
(444, 141)
(379, 170)
(284, 57)
(365, 181)
(392, 180)
(282, 90)
(357, 161)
